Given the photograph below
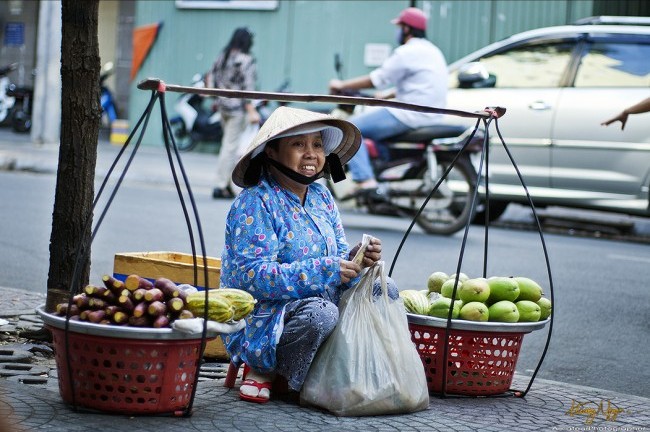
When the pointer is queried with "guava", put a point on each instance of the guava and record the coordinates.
(435, 281)
(504, 311)
(474, 290)
(529, 289)
(474, 311)
(440, 308)
(502, 288)
(462, 277)
(528, 311)
(448, 288)
(546, 307)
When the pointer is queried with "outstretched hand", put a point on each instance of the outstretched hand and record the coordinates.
(622, 117)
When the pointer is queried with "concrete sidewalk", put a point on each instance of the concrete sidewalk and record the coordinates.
(549, 405)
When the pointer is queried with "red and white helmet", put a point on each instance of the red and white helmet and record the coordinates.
(412, 17)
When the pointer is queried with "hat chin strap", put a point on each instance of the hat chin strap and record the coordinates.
(335, 167)
(302, 179)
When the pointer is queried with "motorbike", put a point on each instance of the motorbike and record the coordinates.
(409, 168)
(21, 116)
(6, 101)
(107, 102)
(194, 123)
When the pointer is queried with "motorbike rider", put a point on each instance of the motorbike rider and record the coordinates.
(417, 70)
(234, 69)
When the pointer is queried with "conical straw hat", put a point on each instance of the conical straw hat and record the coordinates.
(283, 121)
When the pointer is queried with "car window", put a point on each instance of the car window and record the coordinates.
(615, 65)
(529, 66)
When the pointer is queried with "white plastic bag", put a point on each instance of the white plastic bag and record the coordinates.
(368, 365)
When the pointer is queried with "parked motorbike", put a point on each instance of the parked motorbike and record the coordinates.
(194, 123)
(6, 101)
(109, 108)
(21, 116)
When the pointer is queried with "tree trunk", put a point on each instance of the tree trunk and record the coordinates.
(80, 119)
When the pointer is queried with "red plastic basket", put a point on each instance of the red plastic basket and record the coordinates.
(127, 376)
(479, 363)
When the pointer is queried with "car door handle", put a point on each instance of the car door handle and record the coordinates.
(539, 106)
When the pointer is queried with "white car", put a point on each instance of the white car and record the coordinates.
(558, 84)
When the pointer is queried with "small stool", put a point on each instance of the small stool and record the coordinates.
(231, 375)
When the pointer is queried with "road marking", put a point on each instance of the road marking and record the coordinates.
(628, 258)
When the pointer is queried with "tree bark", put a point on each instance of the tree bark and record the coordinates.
(80, 120)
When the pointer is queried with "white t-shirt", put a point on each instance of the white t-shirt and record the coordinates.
(418, 71)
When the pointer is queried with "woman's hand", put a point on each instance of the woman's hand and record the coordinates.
(349, 270)
(372, 253)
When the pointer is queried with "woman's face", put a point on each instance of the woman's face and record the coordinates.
(303, 154)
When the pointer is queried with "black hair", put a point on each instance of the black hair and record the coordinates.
(418, 33)
(241, 40)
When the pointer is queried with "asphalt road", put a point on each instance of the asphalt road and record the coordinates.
(600, 286)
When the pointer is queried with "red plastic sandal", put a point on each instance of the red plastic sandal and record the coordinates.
(259, 385)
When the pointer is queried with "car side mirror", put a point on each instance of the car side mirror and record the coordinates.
(475, 75)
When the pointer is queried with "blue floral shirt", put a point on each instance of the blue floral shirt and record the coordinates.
(279, 250)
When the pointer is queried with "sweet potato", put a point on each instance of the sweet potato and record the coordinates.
(138, 295)
(111, 310)
(90, 289)
(175, 304)
(142, 321)
(97, 303)
(109, 296)
(81, 300)
(120, 317)
(160, 322)
(140, 309)
(96, 316)
(185, 314)
(154, 294)
(113, 284)
(133, 282)
(83, 315)
(125, 302)
(169, 288)
(62, 309)
(156, 308)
